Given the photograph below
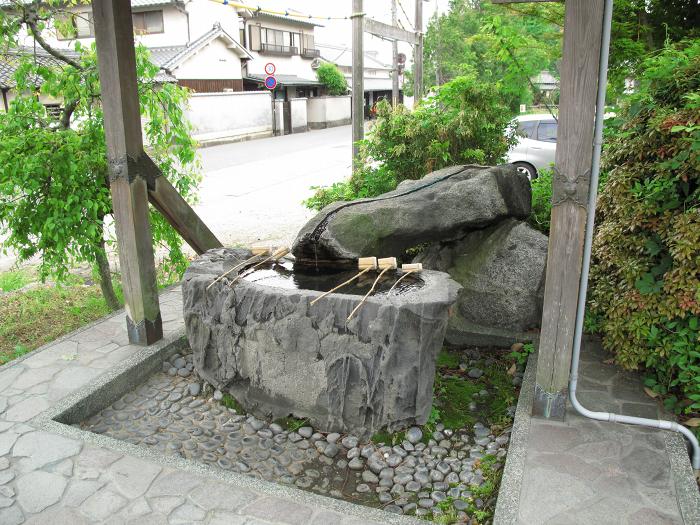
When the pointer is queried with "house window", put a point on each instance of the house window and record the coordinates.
(273, 41)
(148, 22)
(77, 25)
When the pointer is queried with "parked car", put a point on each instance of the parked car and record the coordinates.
(537, 144)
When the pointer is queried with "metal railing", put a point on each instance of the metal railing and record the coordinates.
(272, 49)
(311, 53)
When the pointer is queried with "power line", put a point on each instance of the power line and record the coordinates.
(287, 13)
(408, 20)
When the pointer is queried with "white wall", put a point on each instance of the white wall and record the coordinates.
(299, 117)
(205, 13)
(293, 65)
(213, 61)
(219, 115)
(325, 112)
(174, 32)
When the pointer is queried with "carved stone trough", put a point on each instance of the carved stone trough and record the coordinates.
(278, 355)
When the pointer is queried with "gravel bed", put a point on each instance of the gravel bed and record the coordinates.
(427, 474)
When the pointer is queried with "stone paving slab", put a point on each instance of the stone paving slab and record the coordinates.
(55, 478)
(585, 471)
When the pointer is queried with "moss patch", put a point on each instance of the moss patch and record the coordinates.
(453, 395)
(447, 359)
(292, 424)
(383, 436)
(229, 402)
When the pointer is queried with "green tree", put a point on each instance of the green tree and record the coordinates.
(464, 122)
(330, 76)
(498, 43)
(54, 185)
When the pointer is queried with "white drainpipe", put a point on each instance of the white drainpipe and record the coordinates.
(593, 193)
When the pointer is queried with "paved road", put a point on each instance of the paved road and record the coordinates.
(252, 191)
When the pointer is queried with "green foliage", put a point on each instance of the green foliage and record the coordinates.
(331, 77)
(501, 44)
(523, 355)
(646, 252)
(447, 359)
(230, 402)
(11, 281)
(541, 201)
(464, 122)
(54, 193)
(31, 318)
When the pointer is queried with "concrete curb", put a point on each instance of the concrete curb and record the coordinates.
(509, 493)
(687, 493)
(122, 378)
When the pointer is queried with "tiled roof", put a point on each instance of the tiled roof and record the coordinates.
(170, 57)
(285, 80)
(10, 60)
(289, 19)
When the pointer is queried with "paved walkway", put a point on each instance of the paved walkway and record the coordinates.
(585, 471)
(49, 478)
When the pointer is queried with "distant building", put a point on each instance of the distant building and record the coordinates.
(376, 78)
(286, 42)
(546, 82)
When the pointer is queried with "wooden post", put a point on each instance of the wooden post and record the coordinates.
(418, 55)
(394, 60)
(114, 36)
(579, 82)
(358, 71)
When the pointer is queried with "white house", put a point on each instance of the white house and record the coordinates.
(196, 42)
(377, 74)
(286, 42)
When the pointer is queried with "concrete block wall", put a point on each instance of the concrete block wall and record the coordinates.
(327, 112)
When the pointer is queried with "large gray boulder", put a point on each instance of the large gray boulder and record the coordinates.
(502, 272)
(279, 355)
(441, 206)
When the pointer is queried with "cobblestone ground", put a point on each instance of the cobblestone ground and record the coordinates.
(422, 475)
(48, 478)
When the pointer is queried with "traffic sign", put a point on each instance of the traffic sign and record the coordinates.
(270, 68)
(270, 82)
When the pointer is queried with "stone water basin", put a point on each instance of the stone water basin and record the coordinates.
(278, 355)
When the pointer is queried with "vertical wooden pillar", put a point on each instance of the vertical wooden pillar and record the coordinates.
(114, 37)
(579, 82)
(358, 72)
(394, 59)
(418, 55)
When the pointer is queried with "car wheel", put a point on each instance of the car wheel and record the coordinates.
(527, 169)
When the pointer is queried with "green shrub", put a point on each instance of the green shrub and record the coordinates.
(541, 201)
(646, 266)
(330, 76)
(464, 122)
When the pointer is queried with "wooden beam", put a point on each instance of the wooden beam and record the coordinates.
(168, 201)
(389, 32)
(358, 71)
(114, 36)
(579, 83)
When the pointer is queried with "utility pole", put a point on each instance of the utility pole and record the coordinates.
(358, 69)
(418, 54)
(394, 59)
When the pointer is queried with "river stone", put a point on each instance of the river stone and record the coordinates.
(278, 355)
(440, 206)
(502, 270)
(414, 435)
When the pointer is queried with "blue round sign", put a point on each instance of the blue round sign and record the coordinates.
(270, 82)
